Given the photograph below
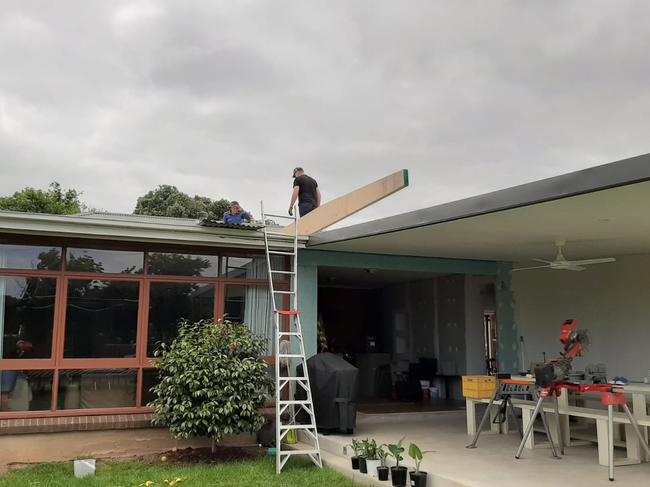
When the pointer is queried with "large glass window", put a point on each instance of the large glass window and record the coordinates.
(161, 263)
(26, 317)
(101, 319)
(149, 380)
(251, 267)
(29, 390)
(104, 261)
(171, 302)
(93, 389)
(251, 305)
(30, 257)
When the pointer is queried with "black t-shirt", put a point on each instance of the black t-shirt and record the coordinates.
(307, 189)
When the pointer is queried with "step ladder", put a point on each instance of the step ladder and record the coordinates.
(289, 352)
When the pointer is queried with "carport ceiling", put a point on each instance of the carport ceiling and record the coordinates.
(604, 222)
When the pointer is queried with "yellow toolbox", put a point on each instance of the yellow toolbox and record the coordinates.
(479, 386)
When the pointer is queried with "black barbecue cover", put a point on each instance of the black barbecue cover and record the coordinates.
(334, 388)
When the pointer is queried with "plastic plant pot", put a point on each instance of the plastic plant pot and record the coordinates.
(371, 466)
(398, 476)
(418, 479)
(382, 473)
(355, 463)
(363, 467)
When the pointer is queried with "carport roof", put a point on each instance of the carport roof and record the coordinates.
(598, 210)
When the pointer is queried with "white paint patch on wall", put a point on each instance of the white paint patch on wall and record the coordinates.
(611, 300)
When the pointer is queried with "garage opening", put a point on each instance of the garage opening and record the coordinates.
(412, 335)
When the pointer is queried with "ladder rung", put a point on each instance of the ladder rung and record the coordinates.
(287, 378)
(286, 312)
(282, 403)
(290, 355)
(281, 252)
(299, 452)
(290, 333)
(282, 272)
(309, 426)
(284, 292)
(279, 216)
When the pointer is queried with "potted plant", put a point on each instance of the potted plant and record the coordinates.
(382, 470)
(398, 472)
(363, 467)
(357, 448)
(418, 478)
(372, 457)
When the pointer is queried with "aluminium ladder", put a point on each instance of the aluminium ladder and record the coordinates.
(289, 349)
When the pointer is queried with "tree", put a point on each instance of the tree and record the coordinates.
(167, 200)
(53, 200)
(213, 381)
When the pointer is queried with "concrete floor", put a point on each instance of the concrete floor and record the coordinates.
(491, 464)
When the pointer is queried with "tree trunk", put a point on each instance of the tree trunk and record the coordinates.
(214, 445)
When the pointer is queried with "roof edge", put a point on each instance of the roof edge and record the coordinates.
(598, 178)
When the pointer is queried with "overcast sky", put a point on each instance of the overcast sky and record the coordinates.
(223, 98)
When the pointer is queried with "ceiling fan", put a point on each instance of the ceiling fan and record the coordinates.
(561, 263)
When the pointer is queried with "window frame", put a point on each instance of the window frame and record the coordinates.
(58, 364)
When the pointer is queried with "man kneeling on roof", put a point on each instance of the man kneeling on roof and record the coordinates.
(236, 215)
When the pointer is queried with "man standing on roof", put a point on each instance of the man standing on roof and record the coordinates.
(236, 215)
(305, 190)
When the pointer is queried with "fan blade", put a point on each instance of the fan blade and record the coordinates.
(529, 268)
(574, 268)
(543, 261)
(592, 261)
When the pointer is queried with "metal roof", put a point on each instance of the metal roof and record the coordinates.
(612, 175)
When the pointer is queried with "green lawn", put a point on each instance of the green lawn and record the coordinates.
(297, 473)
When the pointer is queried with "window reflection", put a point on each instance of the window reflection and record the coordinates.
(170, 302)
(251, 305)
(101, 319)
(30, 257)
(160, 263)
(26, 317)
(252, 267)
(25, 390)
(90, 389)
(104, 261)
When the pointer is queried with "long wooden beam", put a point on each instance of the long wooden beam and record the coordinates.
(348, 204)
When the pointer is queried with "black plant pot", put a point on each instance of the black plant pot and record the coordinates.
(382, 473)
(355, 463)
(418, 479)
(398, 476)
(363, 467)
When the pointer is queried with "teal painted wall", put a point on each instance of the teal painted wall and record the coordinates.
(310, 260)
(507, 332)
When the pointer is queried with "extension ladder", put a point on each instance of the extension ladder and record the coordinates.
(289, 351)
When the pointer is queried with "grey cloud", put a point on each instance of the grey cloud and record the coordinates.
(223, 98)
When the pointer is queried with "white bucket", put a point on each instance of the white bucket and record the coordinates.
(372, 467)
(434, 393)
(84, 468)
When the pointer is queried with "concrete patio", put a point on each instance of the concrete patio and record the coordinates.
(491, 464)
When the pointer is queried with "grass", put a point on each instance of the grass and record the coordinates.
(297, 473)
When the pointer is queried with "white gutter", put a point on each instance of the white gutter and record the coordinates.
(155, 231)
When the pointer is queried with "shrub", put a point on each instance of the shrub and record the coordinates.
(213, 381)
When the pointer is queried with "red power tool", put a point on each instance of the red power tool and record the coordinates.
(557, 370)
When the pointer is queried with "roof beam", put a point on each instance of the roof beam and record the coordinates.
(348, 204)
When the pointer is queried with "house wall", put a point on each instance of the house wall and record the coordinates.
(610, 300)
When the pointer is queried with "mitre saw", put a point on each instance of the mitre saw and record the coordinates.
(557, 370)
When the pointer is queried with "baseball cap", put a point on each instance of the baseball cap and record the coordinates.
(233, 203)
(296, 169)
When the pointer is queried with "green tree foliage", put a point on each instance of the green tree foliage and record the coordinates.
(167, 200)
(213, 381)
(53, 200)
